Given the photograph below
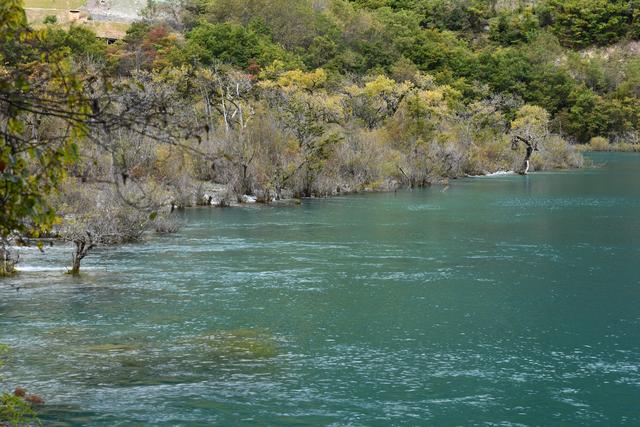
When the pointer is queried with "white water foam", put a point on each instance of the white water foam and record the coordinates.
(497, 173)
(41, 269)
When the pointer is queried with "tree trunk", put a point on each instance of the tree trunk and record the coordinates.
(7, 262)
(527, 160)
(75, 269)
(531, 147)
(246, 187)
(82, 249)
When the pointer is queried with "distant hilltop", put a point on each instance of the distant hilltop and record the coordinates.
(109, 18)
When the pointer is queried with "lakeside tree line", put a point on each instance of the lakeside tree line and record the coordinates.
(222, 101)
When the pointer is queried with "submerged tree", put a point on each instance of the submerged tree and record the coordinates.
(531, 146)
(530, 128)
(94, 215)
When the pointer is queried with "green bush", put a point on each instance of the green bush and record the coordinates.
(233, 44)
(581, 23)
(14, 411)
(513, 28)
(50, 19)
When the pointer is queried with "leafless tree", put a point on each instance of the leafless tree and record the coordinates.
(93, 215)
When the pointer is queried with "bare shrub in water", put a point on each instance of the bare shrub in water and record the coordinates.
(94, 215)
(167, 224)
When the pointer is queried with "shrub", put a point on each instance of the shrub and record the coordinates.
(599, 143)
(556, 153)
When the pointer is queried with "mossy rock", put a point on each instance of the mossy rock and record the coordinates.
(132, 362)
(66, 331)
(239, 343)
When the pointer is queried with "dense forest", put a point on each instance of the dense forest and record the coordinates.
(552, 54)
(232, 101)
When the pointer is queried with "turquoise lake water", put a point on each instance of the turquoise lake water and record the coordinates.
(497, 301)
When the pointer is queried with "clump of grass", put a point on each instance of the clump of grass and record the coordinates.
(599, 144)
(557, 154)
(625, 147)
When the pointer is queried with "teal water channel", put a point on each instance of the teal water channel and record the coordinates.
(496, 301)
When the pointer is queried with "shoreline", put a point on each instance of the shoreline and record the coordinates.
(222, 194)
(251, 201)
(612, 148)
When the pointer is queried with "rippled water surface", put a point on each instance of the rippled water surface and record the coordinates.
(496, 301)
